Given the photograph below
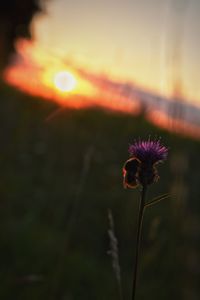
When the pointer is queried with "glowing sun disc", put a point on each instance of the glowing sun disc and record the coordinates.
(64, 81)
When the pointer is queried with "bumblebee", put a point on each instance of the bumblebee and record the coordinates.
(135, 173)
(130, 173)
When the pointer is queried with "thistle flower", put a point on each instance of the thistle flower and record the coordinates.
(141, 167)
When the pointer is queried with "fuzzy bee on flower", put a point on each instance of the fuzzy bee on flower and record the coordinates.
(140, 168)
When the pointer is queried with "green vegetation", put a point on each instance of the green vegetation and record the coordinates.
(59, 177)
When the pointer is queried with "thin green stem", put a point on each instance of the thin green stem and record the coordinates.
(138, 239)
(156, 200)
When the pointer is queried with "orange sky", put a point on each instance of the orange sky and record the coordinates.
(105, 46)
(154, 44)
(149, 42)
(34, 71)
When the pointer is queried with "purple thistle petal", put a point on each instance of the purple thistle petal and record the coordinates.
(148, 151)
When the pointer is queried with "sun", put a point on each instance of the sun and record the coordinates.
(64, 81)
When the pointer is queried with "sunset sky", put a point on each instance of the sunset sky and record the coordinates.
(149, 42)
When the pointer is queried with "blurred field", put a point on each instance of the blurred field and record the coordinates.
(59, 177)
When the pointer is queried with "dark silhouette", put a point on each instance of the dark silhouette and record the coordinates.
(15, 18)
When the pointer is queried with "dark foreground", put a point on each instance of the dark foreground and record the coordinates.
(59, 177)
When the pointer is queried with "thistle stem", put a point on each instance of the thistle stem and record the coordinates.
(138, 239)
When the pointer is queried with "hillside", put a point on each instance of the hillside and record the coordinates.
(58, 178)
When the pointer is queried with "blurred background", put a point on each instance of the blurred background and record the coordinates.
(79, 82)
